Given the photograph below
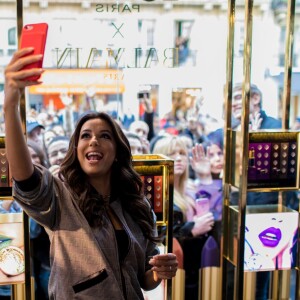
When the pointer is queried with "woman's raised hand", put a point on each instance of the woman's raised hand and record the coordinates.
(15, 77)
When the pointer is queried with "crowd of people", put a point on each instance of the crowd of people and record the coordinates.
(80, 204)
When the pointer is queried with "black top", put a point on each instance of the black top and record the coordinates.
(123, 243)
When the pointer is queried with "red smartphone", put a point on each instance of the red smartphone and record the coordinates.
(34, 35)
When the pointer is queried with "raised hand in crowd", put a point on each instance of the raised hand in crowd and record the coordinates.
(200, 163)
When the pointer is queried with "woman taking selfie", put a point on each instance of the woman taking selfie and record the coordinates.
(101, 227)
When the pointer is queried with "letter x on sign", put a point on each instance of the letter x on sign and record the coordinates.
(118, 29)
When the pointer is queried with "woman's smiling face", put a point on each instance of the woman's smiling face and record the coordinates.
(96, 149)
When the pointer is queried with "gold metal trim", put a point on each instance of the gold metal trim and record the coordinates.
(11, 218)
(152, 164)
(288, 64)
(227, 144)
(17, 292)
(239, 272)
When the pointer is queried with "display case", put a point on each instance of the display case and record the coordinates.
(273, 162)
(260, 242)
(157, 174)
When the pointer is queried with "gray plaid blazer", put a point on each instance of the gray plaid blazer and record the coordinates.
(84, 263)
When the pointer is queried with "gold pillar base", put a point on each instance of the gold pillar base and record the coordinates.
(178, 285)
(210, 283)
(280, 288)
(18, 291)
(249, 285)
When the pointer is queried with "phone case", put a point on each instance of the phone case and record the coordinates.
(202, 206)
(34, 35)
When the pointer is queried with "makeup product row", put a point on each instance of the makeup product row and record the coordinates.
(153, 190)
(273, 162)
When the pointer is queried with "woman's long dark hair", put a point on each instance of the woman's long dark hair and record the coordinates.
(126, 183)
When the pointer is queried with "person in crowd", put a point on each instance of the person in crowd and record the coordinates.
(207, 161)
(208, 165)
(101, 227)
(57, 150)
(37, 154)
(135, 143)
(141, 128)
(58, 129)
(258, 117)
(149, 116)
(189, 228)
(214, 147)
(49, 134)
(39, 240)
(195, 128)
(34, 131)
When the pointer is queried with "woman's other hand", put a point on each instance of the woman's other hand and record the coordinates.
(203, 224)
(164, 266)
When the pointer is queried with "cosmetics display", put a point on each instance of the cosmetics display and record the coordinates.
(153, 192)
(272, 160)
(156, 172)
(270, 242)
(12, 256)
(13, 252)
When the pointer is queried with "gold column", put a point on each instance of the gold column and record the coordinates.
(288, 64)
(249, 285)
(23, 291)
(280, 285)
(227, 144)
(239, 272)
(280, 288)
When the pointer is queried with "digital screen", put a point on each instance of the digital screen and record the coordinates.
(270, 241)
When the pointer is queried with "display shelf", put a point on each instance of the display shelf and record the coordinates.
(5, 180)
(273, 162)
(157, 174)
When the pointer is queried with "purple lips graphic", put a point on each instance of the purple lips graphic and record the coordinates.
(270, 237)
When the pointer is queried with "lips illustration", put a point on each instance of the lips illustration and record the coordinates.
(270, 237)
